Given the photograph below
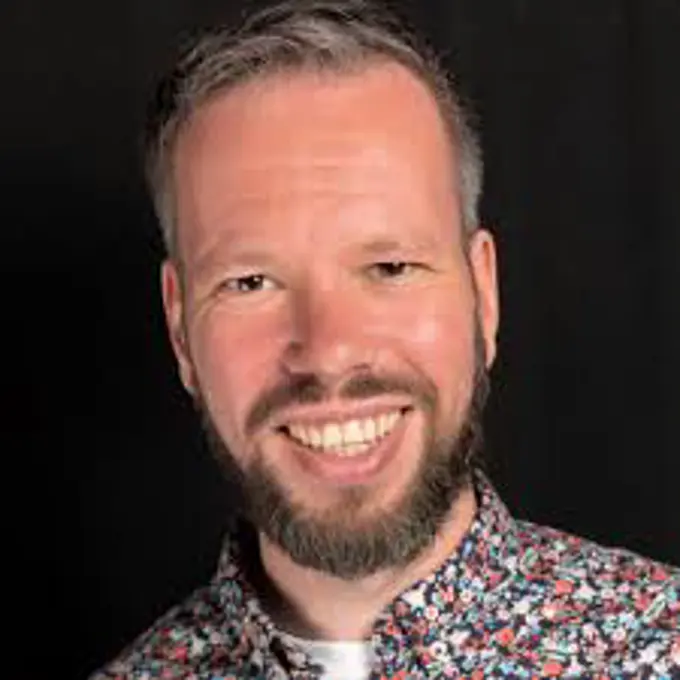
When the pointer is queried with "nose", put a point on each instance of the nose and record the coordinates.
(328, 335)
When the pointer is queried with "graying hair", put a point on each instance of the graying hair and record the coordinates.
(296, 35)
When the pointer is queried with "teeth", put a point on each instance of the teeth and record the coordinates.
(352, 433)
(332, 436)
(386, 423)
(348, 438)
(353, 449)
(315, 438)
(370, 429)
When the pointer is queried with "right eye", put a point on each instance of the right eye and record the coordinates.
(251, 283)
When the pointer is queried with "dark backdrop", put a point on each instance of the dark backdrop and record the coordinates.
(113, 508)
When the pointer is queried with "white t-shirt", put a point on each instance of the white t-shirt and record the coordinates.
(340, 660)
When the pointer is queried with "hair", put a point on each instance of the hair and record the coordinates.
(338, 36)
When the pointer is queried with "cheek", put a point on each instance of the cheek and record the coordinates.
(234, 360)
(439, 342)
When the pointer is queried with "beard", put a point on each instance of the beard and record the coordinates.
(337, 541)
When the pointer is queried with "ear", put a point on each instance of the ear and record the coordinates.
(482, 254)
(171, 286)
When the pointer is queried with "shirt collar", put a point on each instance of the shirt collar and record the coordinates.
(486, 558)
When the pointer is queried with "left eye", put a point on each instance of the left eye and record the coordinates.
(393, 269)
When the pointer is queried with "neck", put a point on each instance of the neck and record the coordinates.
(320, 606)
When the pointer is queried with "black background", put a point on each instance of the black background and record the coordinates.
(114, 510)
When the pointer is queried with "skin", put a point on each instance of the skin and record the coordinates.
(308, 182)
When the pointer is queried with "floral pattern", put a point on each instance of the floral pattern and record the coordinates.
(515, 600)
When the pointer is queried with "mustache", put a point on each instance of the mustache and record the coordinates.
(309, 388)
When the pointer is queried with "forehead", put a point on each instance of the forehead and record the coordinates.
(289, 142)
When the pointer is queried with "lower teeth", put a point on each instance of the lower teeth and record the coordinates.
(349, 450)
(346, 450)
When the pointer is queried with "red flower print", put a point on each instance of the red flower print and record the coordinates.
(563, 587)
(505, 636)
(552, 669)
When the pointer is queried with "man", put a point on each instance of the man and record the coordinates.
(333, 308)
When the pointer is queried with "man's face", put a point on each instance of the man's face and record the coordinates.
(329, 309)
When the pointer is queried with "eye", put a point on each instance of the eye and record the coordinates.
(251, 283)
(394, 269)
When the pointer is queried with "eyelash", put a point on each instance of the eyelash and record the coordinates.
(380, 269)
(406, 269)
(393, 263)
(233, 284)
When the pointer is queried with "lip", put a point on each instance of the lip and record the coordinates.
(315, 415)
(355, 470)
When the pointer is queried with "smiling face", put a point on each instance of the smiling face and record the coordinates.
(329, 311)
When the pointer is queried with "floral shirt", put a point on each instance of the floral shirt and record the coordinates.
(514, 601)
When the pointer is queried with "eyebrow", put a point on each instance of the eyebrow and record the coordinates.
(255, 255)
(238, 257)
(387, 246)
(245, 257)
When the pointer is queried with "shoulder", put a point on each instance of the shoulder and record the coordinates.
(612, 603)
(553, 557)
(203, 632)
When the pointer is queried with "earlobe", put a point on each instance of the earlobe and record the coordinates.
(484, 271)
(174, 317)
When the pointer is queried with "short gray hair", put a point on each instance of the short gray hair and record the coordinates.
(292, 36)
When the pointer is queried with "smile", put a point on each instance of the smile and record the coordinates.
(345, 438)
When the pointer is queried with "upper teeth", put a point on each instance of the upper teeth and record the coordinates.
(352, 433)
